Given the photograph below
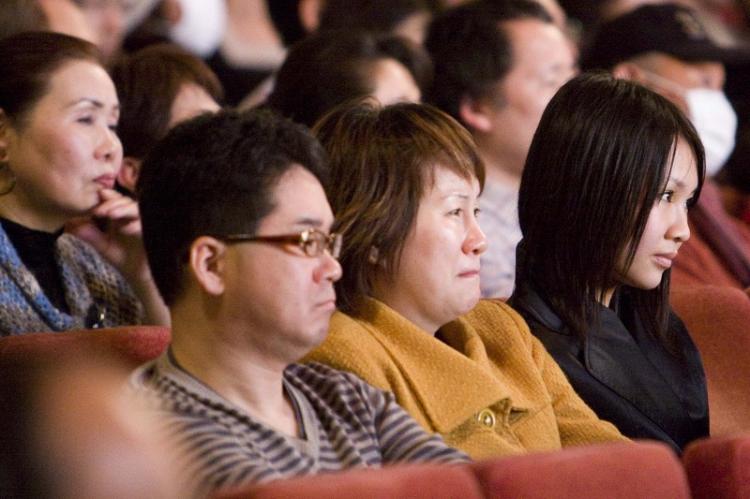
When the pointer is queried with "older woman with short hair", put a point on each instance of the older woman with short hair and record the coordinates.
(59, 157)
(404, 189)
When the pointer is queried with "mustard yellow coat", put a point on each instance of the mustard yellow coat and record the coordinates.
(489, 387)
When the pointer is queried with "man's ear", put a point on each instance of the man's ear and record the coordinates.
(208, 264)
(628, 71)
(129, 171)
(308, 12)
(474, 113)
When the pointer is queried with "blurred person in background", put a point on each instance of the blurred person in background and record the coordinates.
(158, 86)
(519, 58)
(107, 20)
(196, 25)
(72, 430)
(21, 15)
(332, 67)
(407, 18)
(297, 19)
(666, 48)
(64, 16)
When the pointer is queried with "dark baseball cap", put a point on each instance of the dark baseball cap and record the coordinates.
(668, 28)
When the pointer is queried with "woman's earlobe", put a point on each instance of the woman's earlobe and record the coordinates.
(374, 255)
(127, 175)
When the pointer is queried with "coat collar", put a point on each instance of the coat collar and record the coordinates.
(458, 365)
(630, 363)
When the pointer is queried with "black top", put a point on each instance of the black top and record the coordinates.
(623, 372)
(36, 249)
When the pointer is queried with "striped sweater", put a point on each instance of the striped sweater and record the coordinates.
(344, 423)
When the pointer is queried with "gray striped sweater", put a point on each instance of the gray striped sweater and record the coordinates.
(344, 422)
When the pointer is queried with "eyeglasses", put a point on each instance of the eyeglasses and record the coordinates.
(312, 241)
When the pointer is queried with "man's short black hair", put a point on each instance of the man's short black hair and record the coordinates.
(470, 51)
(214, 175)
(284, 15)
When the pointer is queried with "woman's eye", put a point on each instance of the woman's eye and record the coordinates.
(667, 196)
(456, 212)
(477, 211)
(86, 120)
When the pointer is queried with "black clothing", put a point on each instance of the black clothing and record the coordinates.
(36, 249)
(623, 372)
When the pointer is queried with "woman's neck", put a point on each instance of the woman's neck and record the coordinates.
(11, 208)
(408, 310)
(605, 298)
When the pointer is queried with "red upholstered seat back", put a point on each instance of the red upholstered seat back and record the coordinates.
(611, 471)
(719, 468)
(133, 345)
(426, 481)
(718, 319)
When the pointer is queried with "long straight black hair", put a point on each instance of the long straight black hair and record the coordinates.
(598, 161)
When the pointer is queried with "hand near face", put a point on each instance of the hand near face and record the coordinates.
(120, 241)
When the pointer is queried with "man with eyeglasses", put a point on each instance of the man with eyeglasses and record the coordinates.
(236, 228)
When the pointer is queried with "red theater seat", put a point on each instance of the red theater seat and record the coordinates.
(133, 345)
(426, 481)
(615, 471)
(642, 470)
(718, 319)
(719, 468)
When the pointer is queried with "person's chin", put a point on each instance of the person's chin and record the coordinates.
(648, 282)
(468, 303)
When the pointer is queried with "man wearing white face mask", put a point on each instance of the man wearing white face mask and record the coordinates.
(665, 48)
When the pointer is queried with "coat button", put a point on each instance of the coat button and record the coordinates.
(486, 417)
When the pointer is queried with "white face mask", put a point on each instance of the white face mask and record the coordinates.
(712, 116)
(201, 26)
(716, 122)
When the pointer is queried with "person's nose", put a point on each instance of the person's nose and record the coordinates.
(329, 269)
(475, 241)
(713, 75)
(109, 148)
(679, 230)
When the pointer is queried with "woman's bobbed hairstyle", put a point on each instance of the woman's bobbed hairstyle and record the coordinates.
(327, 69)
(382, 162)
(598, 161)
(148, 82)
(29, 60)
